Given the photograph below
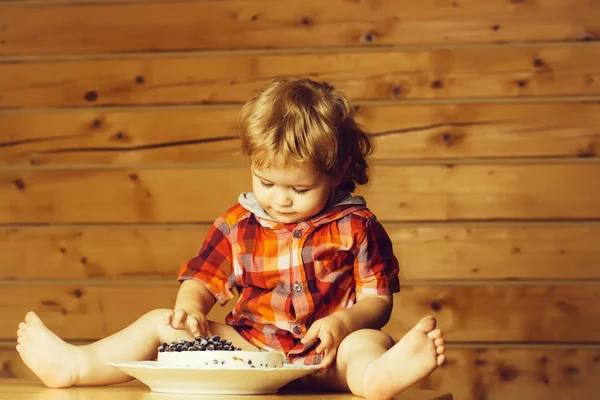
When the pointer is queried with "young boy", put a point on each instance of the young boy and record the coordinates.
(313, 267)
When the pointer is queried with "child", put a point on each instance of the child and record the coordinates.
(313, 267)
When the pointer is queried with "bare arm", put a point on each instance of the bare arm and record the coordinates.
(193, 302)
(194, 298)
(369, 312)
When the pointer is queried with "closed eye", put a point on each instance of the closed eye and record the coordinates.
(300, 191)
(267, 185)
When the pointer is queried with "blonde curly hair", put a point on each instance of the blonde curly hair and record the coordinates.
(295, 121)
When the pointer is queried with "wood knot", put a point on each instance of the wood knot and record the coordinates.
(538, 62)
(479, 362)
(254, 17)
(437, 84)
(306, 21)
(133, 177)
(91, 95)
(588, 37)
(495, 27)
(571, 370)
(396, 91)
(368, 37)
(83, 260)
(96, 123)
(119, 135)
(521, 83)
(77, 293)
(140, 80)
(507, 373)
(19, 184)
(436, 305)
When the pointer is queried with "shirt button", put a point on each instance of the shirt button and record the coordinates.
(297, 234)
(297, 287)
(297, 330)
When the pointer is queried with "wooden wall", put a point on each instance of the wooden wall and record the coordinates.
(118, 149)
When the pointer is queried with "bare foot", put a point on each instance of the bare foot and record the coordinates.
(414, 357)
(54, 361)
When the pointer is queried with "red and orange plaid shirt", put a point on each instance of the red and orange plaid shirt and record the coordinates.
(290, 275)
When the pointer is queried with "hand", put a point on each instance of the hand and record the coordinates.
(330, 331)
(196, 323)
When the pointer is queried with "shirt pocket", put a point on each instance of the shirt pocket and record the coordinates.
(332, 267)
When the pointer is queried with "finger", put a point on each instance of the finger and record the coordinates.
(178, 319)
(192, 323)
(311, 335)
(168, 317)
(205, 326)
(327, 360)
(326, 341)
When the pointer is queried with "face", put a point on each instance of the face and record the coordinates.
(292, 194)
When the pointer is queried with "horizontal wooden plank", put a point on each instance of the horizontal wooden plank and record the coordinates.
(516, 72)
(436, 252)
(209, 135)
(397, 193)
(181, 25)
(518, 373)
(519, 313)
(489, 372)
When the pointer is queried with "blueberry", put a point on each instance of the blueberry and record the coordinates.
(178, 347)
(161, 349)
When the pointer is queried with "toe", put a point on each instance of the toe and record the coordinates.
(19, 348)
(426, 324)
(19, 339)
(23, 326)
(32, 318)
(435, 334)
(441, 359)
(439, 341)
(440, 350)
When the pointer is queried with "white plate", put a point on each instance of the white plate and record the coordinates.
(213, 381)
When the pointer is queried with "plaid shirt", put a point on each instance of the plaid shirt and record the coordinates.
(289, 275)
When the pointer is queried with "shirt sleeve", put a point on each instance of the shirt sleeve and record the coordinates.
(375, 266)
(212, 266)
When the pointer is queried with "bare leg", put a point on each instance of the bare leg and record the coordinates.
(59, 364)
(370, 365)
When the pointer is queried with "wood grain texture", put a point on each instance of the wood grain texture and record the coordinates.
(514, 72)
(150, 136)
(425, 252)
(32, 389)
(485, 313)
(180, 25)
(397, 193)
(490, 372)
(539, 373)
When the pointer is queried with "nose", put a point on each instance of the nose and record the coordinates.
(283, 200)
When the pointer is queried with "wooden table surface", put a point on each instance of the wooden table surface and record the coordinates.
(27, 389)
